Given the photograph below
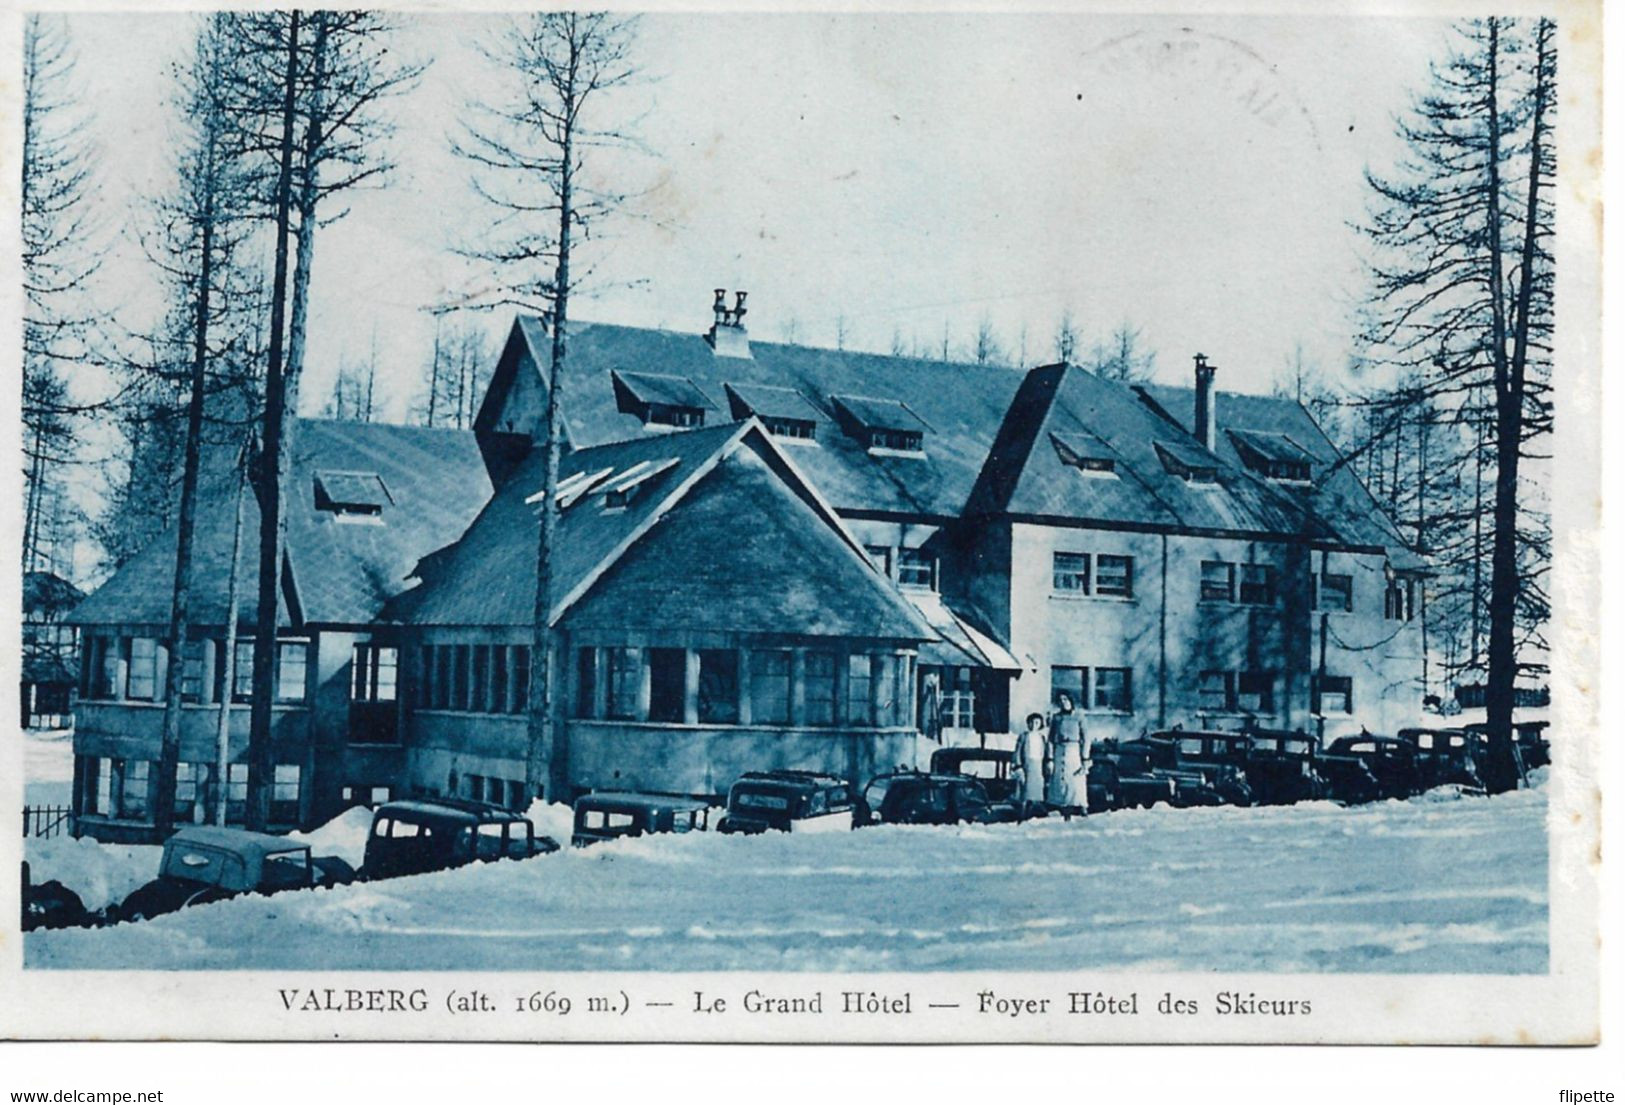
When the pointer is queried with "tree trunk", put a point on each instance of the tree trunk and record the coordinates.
(228, 682)
(273, 463)
(163, 810)
(544, 764)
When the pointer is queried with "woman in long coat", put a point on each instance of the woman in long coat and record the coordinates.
(1068, 786)
(1029, 761)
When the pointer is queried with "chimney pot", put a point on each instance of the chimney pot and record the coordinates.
(739, 308)
(1205, 424)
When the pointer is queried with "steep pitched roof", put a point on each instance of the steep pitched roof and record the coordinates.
(725, 513)
(48, 595)
(340, 572)
(959, 406)
(1062, 410)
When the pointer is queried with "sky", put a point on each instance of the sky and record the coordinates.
(867, 179)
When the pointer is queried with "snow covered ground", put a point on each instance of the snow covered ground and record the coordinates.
(1430, 885)
(47, 767)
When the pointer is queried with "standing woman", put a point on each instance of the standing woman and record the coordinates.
(1029, 761)
(1068, 787)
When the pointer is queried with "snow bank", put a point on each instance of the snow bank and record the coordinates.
(554, 819)
(1421, 886)
(47, 767)
(100, 874)
(345, 836)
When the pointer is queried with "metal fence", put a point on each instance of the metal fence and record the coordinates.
(43, 821)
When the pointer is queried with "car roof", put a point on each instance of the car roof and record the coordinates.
(801, 780)
(973, 754)
(449, 809)
(641, 800)
(235, 840)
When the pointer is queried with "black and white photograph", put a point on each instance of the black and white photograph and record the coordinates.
(938, 526)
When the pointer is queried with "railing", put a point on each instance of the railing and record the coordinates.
(44, 821)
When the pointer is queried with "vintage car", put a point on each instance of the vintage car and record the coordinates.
(1391, 760)
(1530, 743)
(612, 814)
(927, 798)
(1282, 767)
(51, 905)
(1230, 751)
(789, 801)
(1111, 788)
(1195, 784)
(209, 863)
(994, 766)
(1446, 757)
(413, 835)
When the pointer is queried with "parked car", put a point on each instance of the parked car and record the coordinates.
(1446, 757)
(994, 766)
(1111, 788)
(413, 835)
(789, 801)
(1229, 753)
(1195, 784)
(1391, 760)
(51, 905)
(1530, 741)
(612, 814)
(210, 863)
(927, 798)
(1282, 768)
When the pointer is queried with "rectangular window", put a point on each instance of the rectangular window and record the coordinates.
(291, 657)
(1113, 689)
(459, 677)
(860, 704)
(192, 671)
(521, 678)
(236, 792)
(1070, 681)
(242, 672)
(719, 686)
(132, 790)
(668, 684)
(917, 568)
(1218, 581)
(285, 793)
(623, 677)
(104, 787)
(881, 556)
(770, 687)
(425, 690)
(1255, 692)
(499, 679)
(1257, 584)
(1217, 691)
(1071, 573)
(1336, 592)
(1114, 576)
(958, 705)
(1399, 600)
(480, 686)
(143, 682)
(108, 654)
(818, 682)
(586, 682)
(191, 791)
(442, 677)
(1334, 694)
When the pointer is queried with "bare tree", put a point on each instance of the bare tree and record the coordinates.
(529, 151)
(1461, 295)
(1122, 358)
(987, 350)
(58, 258)
(1066, 338)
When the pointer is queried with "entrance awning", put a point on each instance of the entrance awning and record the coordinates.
(962, 643)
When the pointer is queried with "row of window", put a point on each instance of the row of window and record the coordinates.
(120, 790)
(1254, 585)
(836, 688)
(1249, 692)
(1103, 575)
(478, 679)
(134, 668)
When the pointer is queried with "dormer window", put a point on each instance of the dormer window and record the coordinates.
(1272, 455)
(352, 497)
(1189, 464)
(886, 427)
(784, 412)
(1087, 453)
(660, 402)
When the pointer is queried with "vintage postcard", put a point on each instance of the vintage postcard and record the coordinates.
(926, 526)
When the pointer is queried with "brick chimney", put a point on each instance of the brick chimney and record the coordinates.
(727, 335)
(1205, 425)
